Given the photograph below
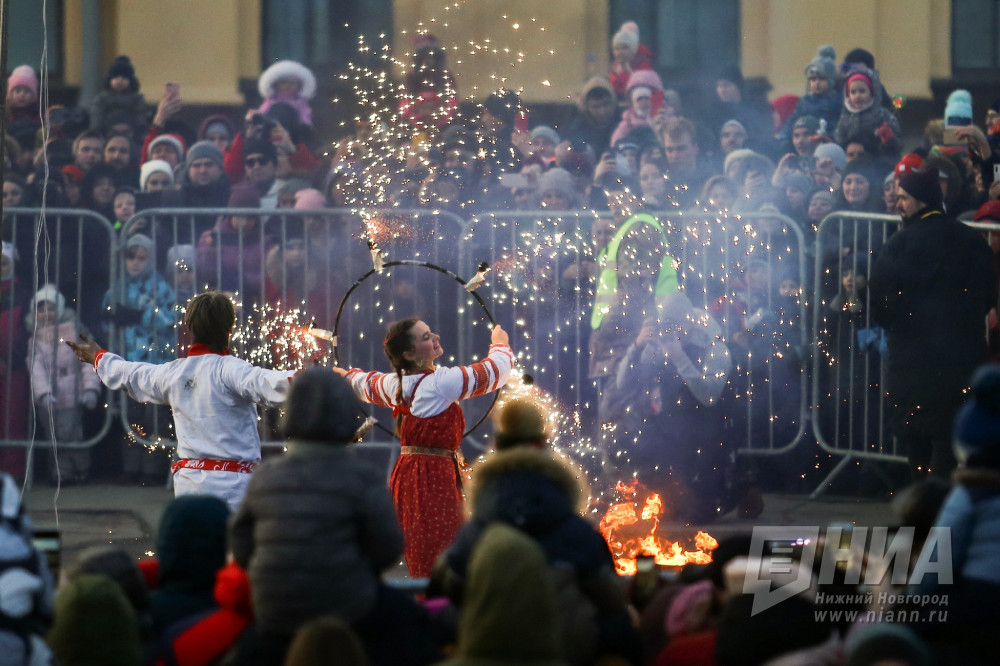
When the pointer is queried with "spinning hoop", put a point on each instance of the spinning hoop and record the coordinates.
(422, 264)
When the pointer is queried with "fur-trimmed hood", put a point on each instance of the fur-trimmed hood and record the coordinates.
(287, 69)
(528, 461)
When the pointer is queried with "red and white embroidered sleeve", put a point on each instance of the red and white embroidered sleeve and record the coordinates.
(377, 388)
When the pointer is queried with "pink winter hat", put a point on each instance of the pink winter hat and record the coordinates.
(309, 199)
(23, 76)
(646, 78)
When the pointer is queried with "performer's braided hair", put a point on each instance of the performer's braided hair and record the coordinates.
(398, 341)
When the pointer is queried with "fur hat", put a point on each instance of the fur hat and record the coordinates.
(205, 149)
(824, 65)
(321, 407)
(519, 422)
(923, 186)
(174, 140)
(287, 69)
(977, 427)
(627, 35)
(49, 294)
(834, 152)
(151, 167)
(23, 75)
(309, 199)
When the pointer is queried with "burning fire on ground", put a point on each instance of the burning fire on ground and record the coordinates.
(630, 527)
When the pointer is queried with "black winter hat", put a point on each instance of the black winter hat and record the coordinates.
(122, 66)
(860, 57)
(321, 407)
(923, 186)
(503, 105)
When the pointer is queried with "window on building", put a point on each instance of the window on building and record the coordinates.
(975, 37)
(684, 35)
(322, 34)
(26, 35)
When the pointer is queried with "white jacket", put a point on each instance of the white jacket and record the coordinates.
(213, 400)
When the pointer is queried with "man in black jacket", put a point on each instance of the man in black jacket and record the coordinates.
(931, 289)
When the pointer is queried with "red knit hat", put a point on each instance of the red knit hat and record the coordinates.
(910, 163)
(73, 173)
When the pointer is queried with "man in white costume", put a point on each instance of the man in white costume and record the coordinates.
(212, 396)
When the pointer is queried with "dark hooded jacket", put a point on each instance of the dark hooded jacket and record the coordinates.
(191, 546)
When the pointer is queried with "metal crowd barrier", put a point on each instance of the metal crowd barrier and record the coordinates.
(793, 308)
(74, 251)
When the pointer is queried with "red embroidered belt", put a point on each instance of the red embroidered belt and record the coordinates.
(214, 465)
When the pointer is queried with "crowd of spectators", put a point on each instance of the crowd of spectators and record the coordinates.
(634, 146)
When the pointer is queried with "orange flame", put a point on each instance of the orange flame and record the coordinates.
(631, 533)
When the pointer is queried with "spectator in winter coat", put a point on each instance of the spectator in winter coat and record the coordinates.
(120, 102)
(524, 486)
(62, 386)
(629, 56)
(822, 97)
(597, 117)
(865, 120)
(931, 288)
(317, 527)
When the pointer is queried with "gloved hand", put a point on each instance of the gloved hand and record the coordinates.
(885, 133)
(126, 316)
(90, 399)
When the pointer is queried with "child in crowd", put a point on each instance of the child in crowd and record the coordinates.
(24, 119)
(426, 481)
(143, 313)
(211, 394)
(865, 120)
(822, 98)
(291, 83)
(120, 101)
(124, 206)
(645, 98)
(62, 387)
(429, 97)
(628, 56)
(181, 272)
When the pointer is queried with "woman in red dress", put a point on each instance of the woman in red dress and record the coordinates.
(425, 483)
